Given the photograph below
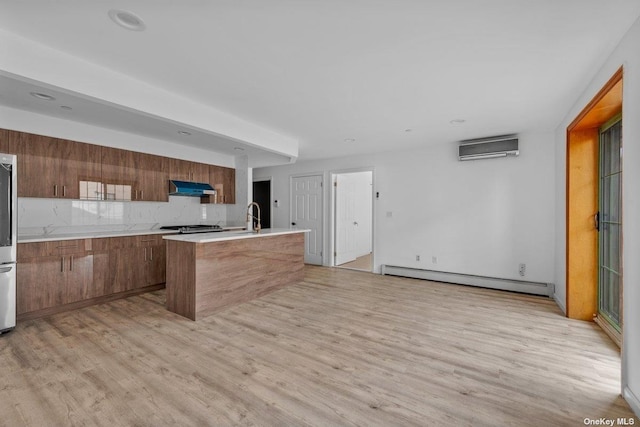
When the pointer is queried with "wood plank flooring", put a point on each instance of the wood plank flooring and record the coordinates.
(340, 348)
(360, 263)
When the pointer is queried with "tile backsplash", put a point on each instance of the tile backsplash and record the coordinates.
(61, 216)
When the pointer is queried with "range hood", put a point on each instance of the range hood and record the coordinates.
(191, 189)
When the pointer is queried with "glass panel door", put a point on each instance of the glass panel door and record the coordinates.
(610, 224)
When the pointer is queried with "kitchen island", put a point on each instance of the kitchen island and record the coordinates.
(211, 271)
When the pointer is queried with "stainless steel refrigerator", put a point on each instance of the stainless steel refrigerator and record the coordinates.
(8, 241)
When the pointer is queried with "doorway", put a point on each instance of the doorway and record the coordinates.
(262, 196)
(353, 220)
(589, 189)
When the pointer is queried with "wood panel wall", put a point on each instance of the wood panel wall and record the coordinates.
(582, 237)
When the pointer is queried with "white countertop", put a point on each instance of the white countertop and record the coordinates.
(99, 234)
(89, 235)
(232, 235)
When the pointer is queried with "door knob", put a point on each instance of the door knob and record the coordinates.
(293, 223)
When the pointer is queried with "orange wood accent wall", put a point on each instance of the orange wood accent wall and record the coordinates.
(582, 237)
(583, 146)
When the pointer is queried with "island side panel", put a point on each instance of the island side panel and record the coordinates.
(181, 278)
(235, 271)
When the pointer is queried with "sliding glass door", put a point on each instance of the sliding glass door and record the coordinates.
(610, 225)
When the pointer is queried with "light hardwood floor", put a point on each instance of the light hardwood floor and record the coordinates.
(360, 263)
(340, 348)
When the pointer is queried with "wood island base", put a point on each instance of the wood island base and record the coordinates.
(203, 278)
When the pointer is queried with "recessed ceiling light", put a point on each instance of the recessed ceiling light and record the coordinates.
(42, 96)
(457, 121)
(238, 148)
(184, 132)
(66, 107)
(408, 130)
(127, 20)
(349, 140)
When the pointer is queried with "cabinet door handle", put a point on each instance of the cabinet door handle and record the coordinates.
(62, 265)
(71, 264)
(141, 194)
(145, 254)
(55, 190)
(151, 252)
(64, 191)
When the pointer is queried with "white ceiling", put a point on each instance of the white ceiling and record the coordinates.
(323, 71)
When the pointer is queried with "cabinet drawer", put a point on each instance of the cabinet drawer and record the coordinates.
(150, 240)
(30, 250)
(53, 248)
(67, 247)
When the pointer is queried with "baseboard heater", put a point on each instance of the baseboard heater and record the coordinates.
(535, 288)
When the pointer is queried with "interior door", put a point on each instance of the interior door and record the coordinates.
(345, 219)
(306, 213)
(610, 225)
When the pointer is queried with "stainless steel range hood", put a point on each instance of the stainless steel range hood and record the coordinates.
(191, 189)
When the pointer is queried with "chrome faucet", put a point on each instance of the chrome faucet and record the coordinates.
(250, 216)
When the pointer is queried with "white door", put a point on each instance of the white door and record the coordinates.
(306, 212)
(345, 219)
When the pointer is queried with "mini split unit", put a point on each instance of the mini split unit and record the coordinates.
(488, 148)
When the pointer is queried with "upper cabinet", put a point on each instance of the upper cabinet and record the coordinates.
(224, 181)
(127, 175)
(51, 167)
(57, 168)
(184, 170)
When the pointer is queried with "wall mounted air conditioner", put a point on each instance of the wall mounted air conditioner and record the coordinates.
(488, 148)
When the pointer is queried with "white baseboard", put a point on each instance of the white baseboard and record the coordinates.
(535, 288)
(632, 400)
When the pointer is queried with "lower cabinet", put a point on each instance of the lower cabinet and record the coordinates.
(52, 274)
(46, 280)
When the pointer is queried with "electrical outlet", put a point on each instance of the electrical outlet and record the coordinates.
(417, 257)
(522, 269)
(434, 259)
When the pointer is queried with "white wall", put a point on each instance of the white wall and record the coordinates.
(627, 54)
(480, 217)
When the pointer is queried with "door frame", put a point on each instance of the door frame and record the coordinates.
(323, 219)
(583, 145)
(332, 212)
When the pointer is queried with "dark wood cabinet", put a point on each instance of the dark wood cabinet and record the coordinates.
(136, 262)
(56, 168)
(54, 273)
(154, 254)
(224, 181)
(184, 170)
(127, 175)
(126, 265)
(51, 167)
(50, 274)
(4, 141)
